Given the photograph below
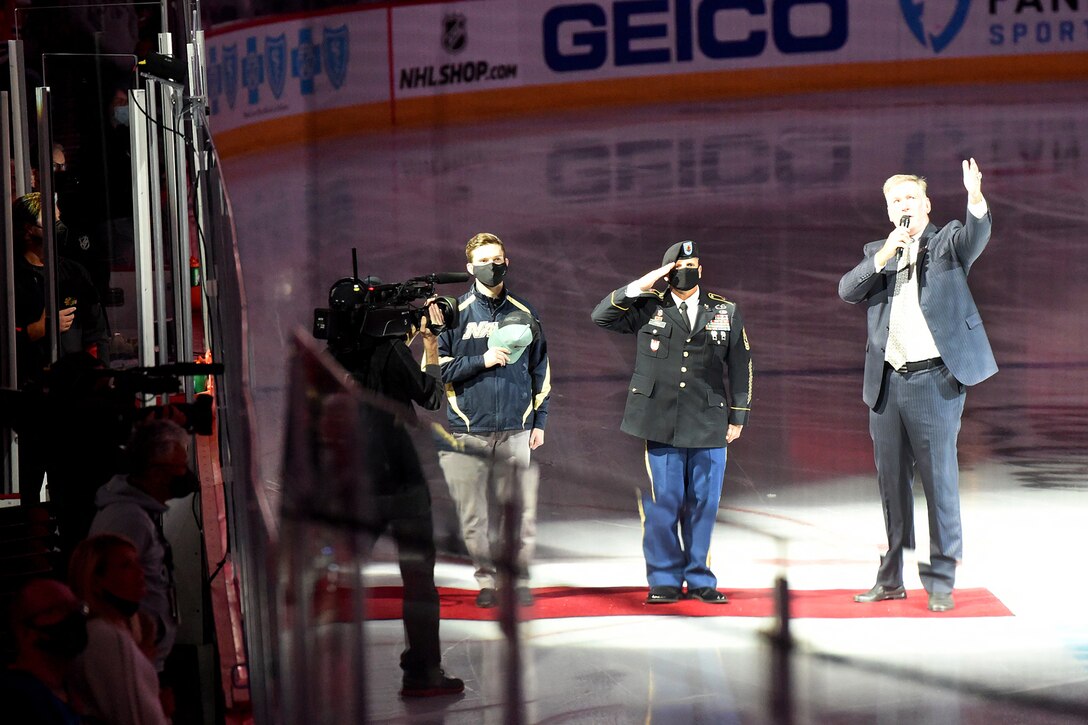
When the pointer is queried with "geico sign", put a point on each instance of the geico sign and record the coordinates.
(576, 36)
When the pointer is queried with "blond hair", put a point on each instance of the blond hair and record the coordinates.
(480, 240)
(900, 178)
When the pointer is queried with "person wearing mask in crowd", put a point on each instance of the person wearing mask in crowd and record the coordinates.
(114, 677)
(49, 626)
(132, 505)
(80, 318)
(689, 398)
(384, 364)
(80, 314)
(497, 387)
(926, 344)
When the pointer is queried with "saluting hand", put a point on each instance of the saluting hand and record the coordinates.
(648, 280)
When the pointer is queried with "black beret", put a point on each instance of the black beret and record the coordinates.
(680, 250)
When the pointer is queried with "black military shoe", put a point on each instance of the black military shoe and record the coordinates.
(710, 595)
(487, 598)
(663, 595)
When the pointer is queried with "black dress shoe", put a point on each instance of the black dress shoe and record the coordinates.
(880, 592)
(710, 595)
(941, 601)
(487, 598)
(663, 595)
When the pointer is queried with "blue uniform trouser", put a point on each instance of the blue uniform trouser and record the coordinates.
(915, 425)
(678, 514)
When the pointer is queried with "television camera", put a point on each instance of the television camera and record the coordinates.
(80, 380)
(365, 308)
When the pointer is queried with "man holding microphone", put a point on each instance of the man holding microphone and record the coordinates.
(926, 343)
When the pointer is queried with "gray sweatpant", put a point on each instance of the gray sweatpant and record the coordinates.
(468, 478)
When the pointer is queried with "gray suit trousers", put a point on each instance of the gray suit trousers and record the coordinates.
(915, 426)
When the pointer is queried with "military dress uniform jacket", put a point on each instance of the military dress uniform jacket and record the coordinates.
(678, 394)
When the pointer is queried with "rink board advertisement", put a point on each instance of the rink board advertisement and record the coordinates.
(383, 65)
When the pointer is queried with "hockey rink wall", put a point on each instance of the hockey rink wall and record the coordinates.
(278, 79)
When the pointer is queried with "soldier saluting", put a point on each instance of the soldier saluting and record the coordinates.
(689, 397)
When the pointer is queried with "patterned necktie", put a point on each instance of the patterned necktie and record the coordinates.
(896, 352)
(684, 314)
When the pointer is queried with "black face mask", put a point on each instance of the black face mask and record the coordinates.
(67, 638)
(183, 485)
(489, 275)
(126, 607)
(684, 279)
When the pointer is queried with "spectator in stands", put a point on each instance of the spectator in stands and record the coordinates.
(114, 677)
(80, 317)
(132, 505)
(80, 314)
(49, 627)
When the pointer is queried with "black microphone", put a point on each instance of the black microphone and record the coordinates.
(904, 222)
(443, 278)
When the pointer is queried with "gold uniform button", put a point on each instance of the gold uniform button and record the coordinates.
(683, 370)
(683, 385)
(685, 353)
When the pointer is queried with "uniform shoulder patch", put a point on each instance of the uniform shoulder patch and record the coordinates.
(660, 294)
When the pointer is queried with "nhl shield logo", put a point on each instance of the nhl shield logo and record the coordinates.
(275, 60)
(334, 48)
(228, 73)
(454, 36)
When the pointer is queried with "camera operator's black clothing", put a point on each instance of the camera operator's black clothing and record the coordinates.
(74, 288)
(387, 367)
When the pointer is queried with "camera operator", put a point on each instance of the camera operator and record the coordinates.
(385, 365)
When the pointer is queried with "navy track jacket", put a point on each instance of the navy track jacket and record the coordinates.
(499, 398)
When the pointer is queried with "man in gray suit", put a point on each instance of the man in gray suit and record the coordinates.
(926, 343)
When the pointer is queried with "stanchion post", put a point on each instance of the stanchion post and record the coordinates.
(504, 477)
(49, 218)
(781, 674)
(141, 213)
(9, 370)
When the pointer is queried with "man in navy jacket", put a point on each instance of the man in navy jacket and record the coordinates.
(926, 343)
(497, 395)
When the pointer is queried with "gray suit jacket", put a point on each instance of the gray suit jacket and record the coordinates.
(944, 260)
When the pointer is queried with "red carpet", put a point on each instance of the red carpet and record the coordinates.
(561, 602)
